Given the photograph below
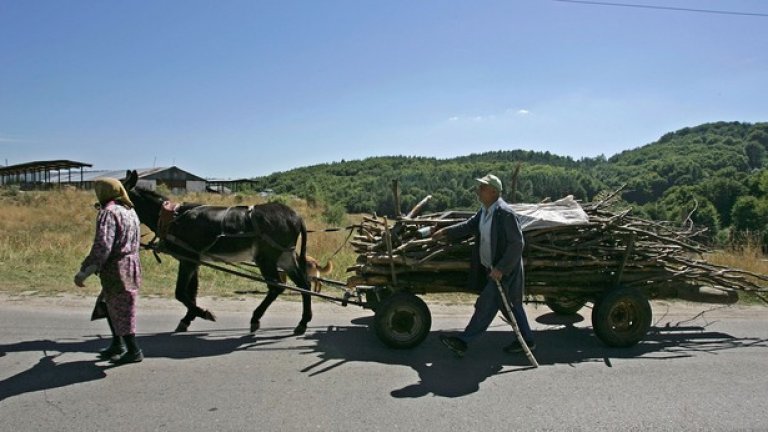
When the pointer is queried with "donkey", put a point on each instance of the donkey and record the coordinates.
(265, 234)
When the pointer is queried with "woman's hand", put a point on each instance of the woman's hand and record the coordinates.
(83, 274)
(80, 278)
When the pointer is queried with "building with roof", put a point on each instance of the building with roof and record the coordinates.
(50, 174)
(58, 173)
(42, 174)
(221, 186)
(174, 178)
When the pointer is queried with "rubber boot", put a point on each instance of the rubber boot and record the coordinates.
(133, 355)
(116, 348)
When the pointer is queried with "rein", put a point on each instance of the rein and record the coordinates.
(351, 229)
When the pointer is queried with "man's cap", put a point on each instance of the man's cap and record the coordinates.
(492, 181)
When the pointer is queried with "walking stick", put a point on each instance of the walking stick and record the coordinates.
(513, 323)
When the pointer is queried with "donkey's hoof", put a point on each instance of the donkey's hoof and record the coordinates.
(182, 327)
(255, 326)
(300, 329)
(208, 315)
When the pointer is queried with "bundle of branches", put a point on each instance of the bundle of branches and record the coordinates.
(607, 249)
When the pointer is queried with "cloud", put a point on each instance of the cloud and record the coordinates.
(516, 112)
(479, 118)
(5, 139)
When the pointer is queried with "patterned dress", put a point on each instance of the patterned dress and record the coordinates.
(115, 252)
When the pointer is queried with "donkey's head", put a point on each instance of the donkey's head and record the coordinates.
(147, 203)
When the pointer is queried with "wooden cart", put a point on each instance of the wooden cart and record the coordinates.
(615, 262)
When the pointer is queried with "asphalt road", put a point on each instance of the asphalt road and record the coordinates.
(699, 369)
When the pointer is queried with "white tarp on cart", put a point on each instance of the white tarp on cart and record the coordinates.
(565, 211)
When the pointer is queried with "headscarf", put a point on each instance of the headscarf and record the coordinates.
(108, 189)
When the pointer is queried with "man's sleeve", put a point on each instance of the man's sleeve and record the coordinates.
(513, 252)
(463, 229)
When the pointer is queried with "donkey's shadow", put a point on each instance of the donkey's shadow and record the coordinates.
(443, 374)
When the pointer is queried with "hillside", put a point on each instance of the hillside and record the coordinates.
(711, 167)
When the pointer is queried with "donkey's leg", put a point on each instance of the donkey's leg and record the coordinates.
(306, 314)
(306, 303)
(186, 293)
(259, 311)
(269, 271)
(299, 277)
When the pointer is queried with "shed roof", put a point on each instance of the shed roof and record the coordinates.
(41, 166)
(144, 173)
(163, 172)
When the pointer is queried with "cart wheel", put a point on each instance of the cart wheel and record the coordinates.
(622, 317)
(565, 305)
(402, 320)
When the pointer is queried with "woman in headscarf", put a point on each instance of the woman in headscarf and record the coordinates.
(114, 257)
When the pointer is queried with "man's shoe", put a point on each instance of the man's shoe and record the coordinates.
(458, 346)
(112, 351)
(515, 347)
(128, 357)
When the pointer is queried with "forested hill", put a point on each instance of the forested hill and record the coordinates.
(715, 165)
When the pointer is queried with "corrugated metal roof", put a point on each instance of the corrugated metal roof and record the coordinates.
(42, 166)
(61, 172)
(88, 176)
(172, 172)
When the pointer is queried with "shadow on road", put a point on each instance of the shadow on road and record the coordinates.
(47, 373)
(443, 374)
(440, 372)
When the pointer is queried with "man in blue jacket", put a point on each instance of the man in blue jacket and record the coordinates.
(497, 256)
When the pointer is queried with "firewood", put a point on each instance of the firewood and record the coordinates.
(610, 248)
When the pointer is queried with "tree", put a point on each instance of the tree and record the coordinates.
(646, 188)
(748, 214)
(759, 135)
(755, 154)
(681, 201)
(723, 193)
(763, 182)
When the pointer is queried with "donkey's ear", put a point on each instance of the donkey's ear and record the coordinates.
(131, 177)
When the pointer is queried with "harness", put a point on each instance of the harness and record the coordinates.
(169, 212)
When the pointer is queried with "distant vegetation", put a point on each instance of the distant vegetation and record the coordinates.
(718, 169)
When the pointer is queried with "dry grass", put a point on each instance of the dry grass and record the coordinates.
(45, 235)
(749, 258)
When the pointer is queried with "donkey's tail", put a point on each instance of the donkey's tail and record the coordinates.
(303, 255)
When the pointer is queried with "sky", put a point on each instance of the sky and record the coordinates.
(233, 89)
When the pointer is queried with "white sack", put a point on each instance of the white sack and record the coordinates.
(565, 211)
